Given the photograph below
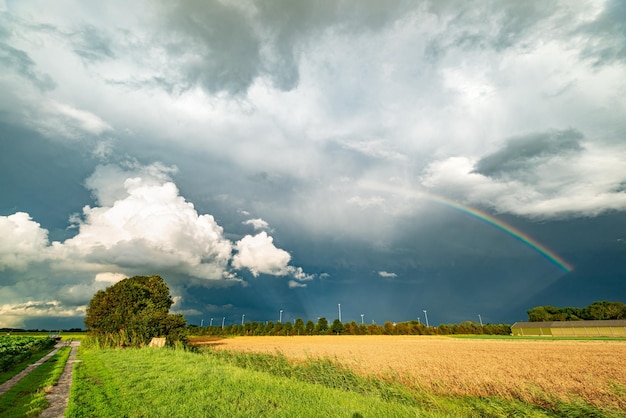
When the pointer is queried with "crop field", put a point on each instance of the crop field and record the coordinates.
(535, 371)
(43, 334)
(15, 349)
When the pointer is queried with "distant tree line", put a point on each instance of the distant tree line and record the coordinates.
(596, 311)
(5, 330)
(322, 327)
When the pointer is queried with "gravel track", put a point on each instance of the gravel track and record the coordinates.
(60, 394)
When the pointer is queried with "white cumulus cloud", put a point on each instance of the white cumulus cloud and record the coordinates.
(83, 119)
(259, 255)
(22, 241)
(109, 278)
(257, 223)
(293, 284)
(589, 182)
(141, 225)
(151, 226)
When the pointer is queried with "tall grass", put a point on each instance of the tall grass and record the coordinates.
(120, 339)
(176, 383)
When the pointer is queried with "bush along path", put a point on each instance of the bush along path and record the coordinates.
(60, 394)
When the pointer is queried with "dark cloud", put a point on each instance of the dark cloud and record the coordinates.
(224, 47)
(607, 34)
(524, 153)
(519, 19)
(20, 62)
(284, 112)
(591, 245)
(620, 188)
(42, 178)
(492, 24)
(290, 25)
(92, 44)
(214, 44)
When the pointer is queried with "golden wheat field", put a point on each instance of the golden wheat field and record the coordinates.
(529, 370)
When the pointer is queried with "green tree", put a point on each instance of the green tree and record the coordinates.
(605, 310)
(351, 328)
(443, 329)
(374, 329)
(287, 329)
(260, 329)
(595, 311)
(337, 327)
(390, 329)
(539, 314)
(298, 327)
(250, 327)
(322, 326)
(134, 310)
(278, 326)
(402, 328)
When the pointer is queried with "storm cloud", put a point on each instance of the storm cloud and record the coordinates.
(522, 154)
(232, 148)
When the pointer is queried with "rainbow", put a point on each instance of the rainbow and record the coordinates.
(475, 213)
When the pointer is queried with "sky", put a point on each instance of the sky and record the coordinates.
(462, 158)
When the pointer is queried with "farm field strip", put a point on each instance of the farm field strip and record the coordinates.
(528, 370)
(15, 349)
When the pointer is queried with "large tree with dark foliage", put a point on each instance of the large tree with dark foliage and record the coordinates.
(133, 311)
(595, 311)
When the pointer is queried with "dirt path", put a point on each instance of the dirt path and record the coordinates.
(60, 394)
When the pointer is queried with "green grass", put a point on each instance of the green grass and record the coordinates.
(177, 383)
(27, 397)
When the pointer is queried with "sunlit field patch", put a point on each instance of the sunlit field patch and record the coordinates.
(536, 371)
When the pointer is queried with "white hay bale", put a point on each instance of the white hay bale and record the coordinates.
(157, 342)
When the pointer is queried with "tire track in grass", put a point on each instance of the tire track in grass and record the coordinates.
(59, 396)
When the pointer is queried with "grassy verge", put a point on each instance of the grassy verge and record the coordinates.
(177, 383)
(27, 397)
